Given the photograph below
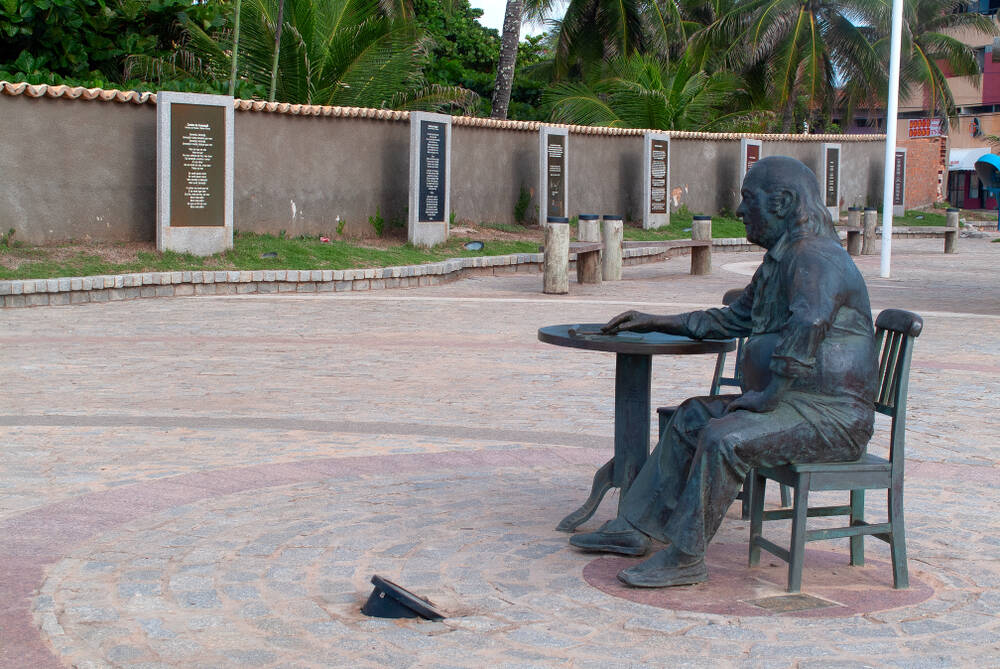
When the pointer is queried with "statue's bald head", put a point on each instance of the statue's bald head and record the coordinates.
(781, 194)
(775, 172)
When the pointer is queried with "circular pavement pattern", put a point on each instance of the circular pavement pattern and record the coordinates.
(276, 576)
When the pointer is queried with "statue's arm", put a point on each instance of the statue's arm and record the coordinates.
(731, 321)
(815, 293)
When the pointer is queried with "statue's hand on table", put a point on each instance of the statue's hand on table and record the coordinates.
(636, 321)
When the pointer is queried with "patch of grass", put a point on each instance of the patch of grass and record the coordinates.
(915, 218)
(299, 253)
(680, 228)
(512, 228)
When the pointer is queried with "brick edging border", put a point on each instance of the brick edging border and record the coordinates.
(110, 288)
(116, 287)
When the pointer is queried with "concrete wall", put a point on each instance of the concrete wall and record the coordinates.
(79, 169)
(76, 169)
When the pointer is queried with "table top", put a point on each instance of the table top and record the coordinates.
(586, 336)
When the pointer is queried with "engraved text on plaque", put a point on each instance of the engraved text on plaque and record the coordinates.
(197, 165)
(432, 171)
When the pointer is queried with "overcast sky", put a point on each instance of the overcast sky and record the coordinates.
(492, 17)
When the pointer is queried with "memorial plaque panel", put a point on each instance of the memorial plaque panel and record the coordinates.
(753, 155)
(429, 189)
(197, 165)
(832, 177)
(658, 177)
(194, 172)
(750, 152)
(555, 149)
(898, 179)
(433, 169)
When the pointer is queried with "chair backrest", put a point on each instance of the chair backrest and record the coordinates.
(895, 331)
(736, 380)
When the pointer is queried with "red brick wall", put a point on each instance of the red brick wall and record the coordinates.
(926, 170)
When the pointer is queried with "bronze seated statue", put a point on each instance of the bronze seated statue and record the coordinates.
(808, 368)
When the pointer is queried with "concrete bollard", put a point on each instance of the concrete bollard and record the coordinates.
(868, 238)
(853, 233)
(951, 234)
(612, 232)
(555, 261)
(701, 256)
(588, 265)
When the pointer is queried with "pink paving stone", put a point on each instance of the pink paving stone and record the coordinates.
(732, 584)
(20, 645)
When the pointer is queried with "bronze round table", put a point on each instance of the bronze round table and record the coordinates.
(633, 374)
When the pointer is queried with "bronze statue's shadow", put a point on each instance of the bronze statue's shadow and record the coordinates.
(831, 588)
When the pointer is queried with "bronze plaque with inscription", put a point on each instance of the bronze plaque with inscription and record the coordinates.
(898, 179)
(197, 165)
(556, 160)
(832, 177)
(753, 155)
(433, 171)
(658, 176)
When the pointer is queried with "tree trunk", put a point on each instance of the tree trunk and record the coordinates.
(508, 58)
(277, 49)
(788, 117)
(236, 47)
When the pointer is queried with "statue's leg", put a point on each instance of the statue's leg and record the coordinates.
(728, 448)
(654, 493)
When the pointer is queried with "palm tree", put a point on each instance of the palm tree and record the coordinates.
(928, 42)
(328, 52)
(593, 31)
(639, 91)
(805, 47)
(516, 11)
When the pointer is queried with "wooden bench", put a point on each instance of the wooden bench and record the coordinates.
(588, 260)
(854, 238)
(672, 244)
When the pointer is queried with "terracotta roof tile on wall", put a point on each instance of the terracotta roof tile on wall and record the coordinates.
(133, 97)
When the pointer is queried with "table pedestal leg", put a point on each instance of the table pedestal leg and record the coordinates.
(633, 375)
(602, 484)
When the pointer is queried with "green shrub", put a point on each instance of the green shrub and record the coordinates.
(521, 206)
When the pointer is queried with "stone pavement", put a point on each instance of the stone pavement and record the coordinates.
(212, 481)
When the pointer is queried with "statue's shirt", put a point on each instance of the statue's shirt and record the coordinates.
(807, 317)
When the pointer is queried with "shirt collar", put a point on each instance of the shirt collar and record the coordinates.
(780, 247)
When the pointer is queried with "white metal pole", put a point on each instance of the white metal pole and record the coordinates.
(890, 134)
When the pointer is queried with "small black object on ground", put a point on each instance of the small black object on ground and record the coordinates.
(269, 254)
(389, 600)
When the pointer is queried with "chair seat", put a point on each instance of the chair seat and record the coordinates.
(866, 463)
(869, 471)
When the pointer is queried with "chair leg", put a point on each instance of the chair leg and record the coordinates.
(756, 490)
(857, 517)
(797, 547)
(786, 496)
(897, 535)
(746, 495)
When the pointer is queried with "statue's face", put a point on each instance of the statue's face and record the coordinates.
(764, 225)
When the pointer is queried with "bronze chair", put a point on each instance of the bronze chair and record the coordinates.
(718, 381)
(895, 331)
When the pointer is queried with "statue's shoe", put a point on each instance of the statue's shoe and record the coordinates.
(607, 540)
(666, 568)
